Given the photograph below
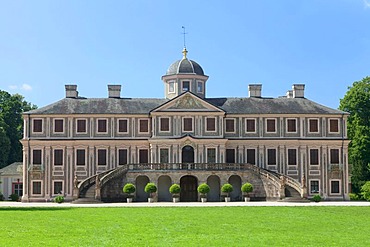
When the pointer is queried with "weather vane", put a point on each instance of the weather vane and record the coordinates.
(184, 33)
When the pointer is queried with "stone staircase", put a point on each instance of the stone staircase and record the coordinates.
(292, 195)
(88, 198)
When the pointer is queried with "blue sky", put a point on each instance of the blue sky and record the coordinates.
(44, 45)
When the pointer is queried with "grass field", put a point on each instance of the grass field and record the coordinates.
(186, 226)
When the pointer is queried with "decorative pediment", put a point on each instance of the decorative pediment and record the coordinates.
(187, 102)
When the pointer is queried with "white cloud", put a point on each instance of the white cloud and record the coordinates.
(13, 87)
(26, 87)
(367, 3)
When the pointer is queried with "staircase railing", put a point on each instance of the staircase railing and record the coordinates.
(84, 185)
(112, 174)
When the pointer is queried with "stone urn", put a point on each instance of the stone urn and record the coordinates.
(129, 199)
(247, 199)
(150, 200)
(227, 199)
(175, 199)
(203, 199)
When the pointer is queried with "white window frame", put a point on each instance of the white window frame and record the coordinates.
(97, 157)
(206, 125)
(182, 86)
(329, 123)
(296, 125)
(200, 83)
(97, 126)
(42, 155)
(128, 125)
(267, 156)
(173, 87)
(53, 156)
(168, 154)
(216, 154)
(318, 125)
(255, 155)
(128, 155)
(340, 186)
(318, 156)
(42, 186)
(296, 156)
(79, 119)
(42, 126)
(143, 119)
(339, 156)
(86, 156)
(255, 126)
(64, 129)
(183, 124)
(271, 132)
(234, 120)
(169, 125)
(53, 184)
(138, 155)
(310, 190)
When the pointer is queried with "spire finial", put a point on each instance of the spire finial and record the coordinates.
(184, 51)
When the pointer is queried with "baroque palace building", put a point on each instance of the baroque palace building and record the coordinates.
(286, 147)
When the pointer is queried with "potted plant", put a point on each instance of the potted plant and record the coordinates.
(203, 189)
(246, 189)
(129, 189)
(59, 199)
(227, 188)
(175, 191)
(316, 198)
(151, 189)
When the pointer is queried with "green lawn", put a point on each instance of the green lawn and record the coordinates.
(186, 226)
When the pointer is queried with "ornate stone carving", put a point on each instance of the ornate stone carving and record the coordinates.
(188, 102)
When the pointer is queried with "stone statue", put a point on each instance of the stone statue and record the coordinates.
(282, 180)
(75, 181)
(97, 182)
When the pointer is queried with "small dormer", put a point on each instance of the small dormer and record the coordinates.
(184, 75)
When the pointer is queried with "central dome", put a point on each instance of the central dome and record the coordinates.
(185, 66)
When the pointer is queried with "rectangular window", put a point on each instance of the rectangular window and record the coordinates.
(58, 187)
(165, 124)
(270, 125)
(230, 125)
(143, 125)
(211, 155)
(292, 157)
(291, 125)
(58, 157)
(102, 157)
(334, 125)
(313, 125)
(185, 86)
(314, 157)
(81, 157)
(271, 156)
(314, 186)
(37, 125)
(18, 189)
(102, 125)
(36, 157)
(251, 125)
(251, 156)
(171, 87)
(143, 156)
(122, 126)
(188, 124)
(230, 155)
(200, 87)
(334, 187)
(211, 124)
(81, 126)
(36, 187)
(163, 155)
(122, 157)
(58, 125)
(334, 156)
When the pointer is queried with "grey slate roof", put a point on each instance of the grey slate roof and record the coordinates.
(145, 105)
(15, 168)
(185, 66)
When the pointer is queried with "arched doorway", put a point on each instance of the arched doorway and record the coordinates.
(214, 183)
(188, 154)
(164, 183)
(189, 191)
(236, 182)
(141, 195)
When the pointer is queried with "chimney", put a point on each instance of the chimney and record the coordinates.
(71, 91)
(255, 90)
(298, 90)
(114, 91)
(289, 94)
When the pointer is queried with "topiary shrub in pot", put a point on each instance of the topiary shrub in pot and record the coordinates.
(227, 188)
(59, 199)
(316, 198)
(129, 189)
(203, 189)
(246, 189)
(175, 191)
(150, 188)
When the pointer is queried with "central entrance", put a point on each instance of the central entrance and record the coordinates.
(188, 186)
(188, 154)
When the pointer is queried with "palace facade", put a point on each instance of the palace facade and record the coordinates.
(90, 147)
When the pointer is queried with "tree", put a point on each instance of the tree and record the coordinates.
(11, 123)
(357, 103)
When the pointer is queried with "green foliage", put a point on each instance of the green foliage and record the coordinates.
(357, 103)
(59, 199)
(316, 198)
(203, 189)
(175, 189)
(354, 197)
(14, 197)
(365, 191)
(227, 188)
(247, 188)
(1, 197)
(150, 188)
(129, 189)
(11, 126)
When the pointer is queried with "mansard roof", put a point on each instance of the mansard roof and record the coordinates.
(249, 105)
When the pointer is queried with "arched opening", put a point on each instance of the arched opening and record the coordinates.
(236, 182)
(141, 195)
(214, 183)
(189, 191)
(188, 154)
(164, 183)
